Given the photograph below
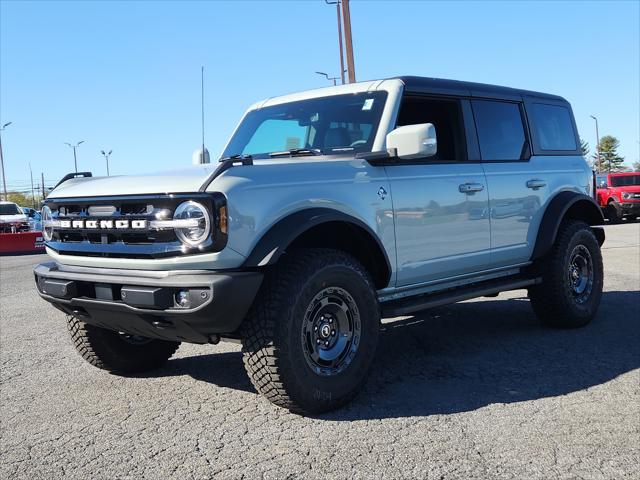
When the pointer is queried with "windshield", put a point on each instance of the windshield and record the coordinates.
(602, 181)
(9, 209)
(328, 125)
(625, 180)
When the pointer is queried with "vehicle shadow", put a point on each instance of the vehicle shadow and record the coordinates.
(466, 356)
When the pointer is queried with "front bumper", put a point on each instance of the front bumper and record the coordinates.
(144, 303)
(630, 208)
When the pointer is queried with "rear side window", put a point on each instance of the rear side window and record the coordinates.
(553, 127)
(500, 130)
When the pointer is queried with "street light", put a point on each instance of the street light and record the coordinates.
(4, 179)
(75, 158)
(328, 77)
(597, 144)
(106, 157)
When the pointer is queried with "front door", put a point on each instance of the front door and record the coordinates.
(441, 203)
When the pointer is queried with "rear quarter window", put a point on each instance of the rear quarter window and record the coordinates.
(553, 127)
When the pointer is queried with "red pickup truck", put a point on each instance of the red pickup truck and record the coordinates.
(619, 195)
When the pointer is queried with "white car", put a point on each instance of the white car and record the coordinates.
(12, 218)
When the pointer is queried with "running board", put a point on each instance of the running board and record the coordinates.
(399, 308)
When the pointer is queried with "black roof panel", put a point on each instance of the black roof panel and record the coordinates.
(456, 87)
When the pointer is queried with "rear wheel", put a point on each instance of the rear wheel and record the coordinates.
(118, 352)
(572, 278)
(310, 338)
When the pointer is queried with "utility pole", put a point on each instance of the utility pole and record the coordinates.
(75, 159)
(33, 194)
(599, 169)
(339, 15)
(4, 178)
(106, 157)
(348, 40)
(42, 178)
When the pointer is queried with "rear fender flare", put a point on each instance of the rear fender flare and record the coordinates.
(567, 205)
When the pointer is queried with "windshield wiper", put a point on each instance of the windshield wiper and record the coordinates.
(238, 156)
(297, 152)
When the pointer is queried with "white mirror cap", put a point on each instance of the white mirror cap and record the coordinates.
(413, 141)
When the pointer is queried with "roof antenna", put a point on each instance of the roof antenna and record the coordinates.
(204, 155)
(201, 156)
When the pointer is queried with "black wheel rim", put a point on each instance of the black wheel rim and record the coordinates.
(331, 331)
(580, 273)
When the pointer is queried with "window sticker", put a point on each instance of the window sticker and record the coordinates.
(368, 104)
(292, 143)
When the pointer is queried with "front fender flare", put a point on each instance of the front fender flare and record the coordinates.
(276, 240)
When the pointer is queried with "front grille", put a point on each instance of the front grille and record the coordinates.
(119, 226)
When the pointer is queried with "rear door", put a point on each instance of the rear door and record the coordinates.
(517, 182)
(441, 203)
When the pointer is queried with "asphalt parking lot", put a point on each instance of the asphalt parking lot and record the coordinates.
(474, 390)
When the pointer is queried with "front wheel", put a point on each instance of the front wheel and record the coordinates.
(311, 335)
(118, 352)
(613, 213)
(572, 278)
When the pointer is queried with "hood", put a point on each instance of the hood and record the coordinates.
(187, 180)
(175, 181)
(13, 218)
(628, 188)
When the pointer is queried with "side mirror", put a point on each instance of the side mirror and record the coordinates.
(413, 141)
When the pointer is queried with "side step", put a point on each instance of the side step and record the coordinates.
(399, 308)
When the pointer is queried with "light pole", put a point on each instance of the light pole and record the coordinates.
(597, 145)
(106, 157)
(4, 179)
(75, 158)
(328, 77)
(339, 15)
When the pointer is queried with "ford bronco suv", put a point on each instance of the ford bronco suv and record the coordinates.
(329, 210)
(619, 195)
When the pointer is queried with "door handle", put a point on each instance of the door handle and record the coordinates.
(470, 188)
(535, 184)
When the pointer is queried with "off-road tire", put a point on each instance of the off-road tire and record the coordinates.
(273, 345)
(111, 351)
(554, 301)
(613, 213)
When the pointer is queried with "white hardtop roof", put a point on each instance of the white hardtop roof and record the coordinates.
(359, 87)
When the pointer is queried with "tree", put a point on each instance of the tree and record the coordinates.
(636, 166)
(610, 161)
(584, 148)
(19, 198)
(24, 200)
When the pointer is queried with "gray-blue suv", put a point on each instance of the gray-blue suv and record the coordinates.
(328, 210)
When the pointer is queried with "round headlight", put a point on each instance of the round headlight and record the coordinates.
(195, 219)
(47, 223)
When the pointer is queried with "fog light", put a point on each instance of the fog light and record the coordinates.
(183, 299)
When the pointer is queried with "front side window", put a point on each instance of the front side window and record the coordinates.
(553, 127)
(327, 125)
(500, 130)
(446, 117)
(625, 180)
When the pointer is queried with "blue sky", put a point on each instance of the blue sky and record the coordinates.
(126, 75)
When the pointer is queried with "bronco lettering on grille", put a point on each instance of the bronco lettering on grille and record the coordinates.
(105, 224)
